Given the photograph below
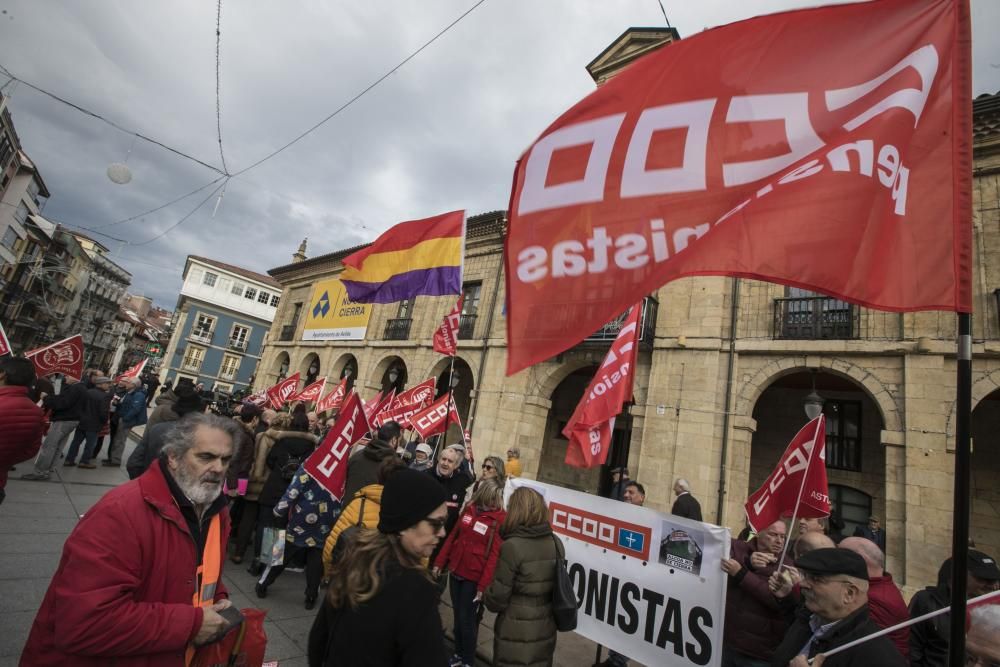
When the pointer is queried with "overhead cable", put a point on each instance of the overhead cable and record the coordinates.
(218, 94)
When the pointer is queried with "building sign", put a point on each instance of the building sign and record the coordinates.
(330, 316)
(649, 585)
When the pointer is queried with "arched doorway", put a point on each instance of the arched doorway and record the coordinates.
(346, 367)
(390, 373)
(310, 368)
(462, 382)
(551, 465)
(855, 457)
(280, 368)
(984, 526)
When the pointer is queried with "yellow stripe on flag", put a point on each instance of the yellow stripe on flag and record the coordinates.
(431, 254)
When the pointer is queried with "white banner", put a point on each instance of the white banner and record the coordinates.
(650, 585)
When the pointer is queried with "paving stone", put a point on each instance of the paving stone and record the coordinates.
(32, 544)
(28, 566)
(22, 595)
(38, 525)
(14, 628)
(27, 508)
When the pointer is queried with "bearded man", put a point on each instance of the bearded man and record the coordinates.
(140, 580)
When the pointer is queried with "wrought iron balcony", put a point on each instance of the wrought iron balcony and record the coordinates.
(815, 318)
(398, 329)
(201, 336)
(191, 365)
(237, 344)
(228, 375)
(647, 325)
(287, 333)
(466, 327)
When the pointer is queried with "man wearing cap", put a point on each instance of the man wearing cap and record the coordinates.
(94, 414)
(422, 457)
(873, 531)
(619, 479)
(929, 639)
(834, 588)
(131, 412)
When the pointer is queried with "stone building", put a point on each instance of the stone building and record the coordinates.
(724, 369)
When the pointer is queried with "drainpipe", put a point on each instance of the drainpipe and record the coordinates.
(486, 338)
(734, 298)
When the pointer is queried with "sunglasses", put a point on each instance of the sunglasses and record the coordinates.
(436, 524)
(488, 466)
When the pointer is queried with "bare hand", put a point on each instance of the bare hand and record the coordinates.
(759, 559)
(224, 603)
(731, 567)
(479, 597)
(211, 625)
(436, 572)
(781, 584)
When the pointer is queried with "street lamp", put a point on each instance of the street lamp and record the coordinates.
(813, 402)
(393, 376)
(454, 382)
(347, 373)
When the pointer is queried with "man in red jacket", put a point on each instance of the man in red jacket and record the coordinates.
(22, 423)
(885, 603)
(140, 580)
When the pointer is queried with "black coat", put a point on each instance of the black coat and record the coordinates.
(399, 627)
(148, 449)
(362, 467)
(929, 639)
(687, 506)
(878, 652)
(66, 406)
(300, 446)
(94, 410)
(455, 487)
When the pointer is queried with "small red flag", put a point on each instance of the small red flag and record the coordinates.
(279, 393)
(328, 464)
(4, 343)
(798, 484)
(259, 399)
(446, 336)
(333, 400)
(589, 429)
(64, 357)
(436, 417)
(411, 401)
(311, 393)
(378, 404)
(133, 372)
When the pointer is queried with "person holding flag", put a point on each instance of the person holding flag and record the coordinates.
(363, 465)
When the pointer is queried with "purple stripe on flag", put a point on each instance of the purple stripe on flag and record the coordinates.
(439, 281)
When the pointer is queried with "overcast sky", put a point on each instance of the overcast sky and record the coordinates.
(440, 134)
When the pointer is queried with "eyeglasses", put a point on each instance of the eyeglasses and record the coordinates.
(436, 524)
(488, 466)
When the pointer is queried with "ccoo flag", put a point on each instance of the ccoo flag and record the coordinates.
(827, 148)
(416, 258)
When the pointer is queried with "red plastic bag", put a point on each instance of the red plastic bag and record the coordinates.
(243, 647)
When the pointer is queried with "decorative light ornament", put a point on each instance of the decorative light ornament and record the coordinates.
(119, 172)
(813, 403)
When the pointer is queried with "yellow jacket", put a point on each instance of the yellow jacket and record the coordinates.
(352, 516)
(513, 467)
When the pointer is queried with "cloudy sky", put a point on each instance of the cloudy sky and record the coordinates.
(441, 133)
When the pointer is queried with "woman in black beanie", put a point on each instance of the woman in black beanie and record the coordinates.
(382, 606)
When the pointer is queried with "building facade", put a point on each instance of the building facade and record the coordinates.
(724, 370)
(222, 317)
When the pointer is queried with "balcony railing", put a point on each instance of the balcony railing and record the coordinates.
(191, 364)
(398, 329)
(466, 327)
(237, 344)
(228, 375)
(201, 336)
(647, 325)
(287, 332)
(814, 318)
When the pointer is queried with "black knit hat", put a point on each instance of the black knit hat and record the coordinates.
(833, 561)
(408, 496)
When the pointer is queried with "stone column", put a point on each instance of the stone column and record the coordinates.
(894, 521)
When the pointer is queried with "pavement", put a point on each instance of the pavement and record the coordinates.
(37, 517)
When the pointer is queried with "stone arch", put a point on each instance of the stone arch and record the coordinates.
(751, 391)
(307, 362)
(281, 360)
(550, 382)
(379, 379)
(439, 366)
(981, 388)
(344, 362)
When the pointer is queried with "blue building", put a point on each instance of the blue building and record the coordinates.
(222, 316)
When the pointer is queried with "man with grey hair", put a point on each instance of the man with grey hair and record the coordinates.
(449, 475)
(131, 412)
(885, 603)
(686, 505)
(140, 579)
(982, 641)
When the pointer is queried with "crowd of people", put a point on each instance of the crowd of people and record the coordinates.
(139, 582)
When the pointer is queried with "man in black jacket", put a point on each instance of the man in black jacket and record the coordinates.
(65, 407)
(363, 465)
(686, 505)
(94, 413)
(835, 590)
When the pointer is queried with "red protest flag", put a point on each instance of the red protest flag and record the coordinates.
(436, 417)
(378, 404)
(64, 357)
(279, 393)
(798, 485)
(133, 372)
(589, 429)
(4, 343)
(259, 399)
(333, 400)
(311, 393)
(446, 335)
(409, 402)
(706, 156)
(328, 464)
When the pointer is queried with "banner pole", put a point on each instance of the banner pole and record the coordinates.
(447, 415)
(798, 498)
(960, 515)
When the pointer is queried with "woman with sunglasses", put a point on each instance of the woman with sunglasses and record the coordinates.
(470, 553)
(382, 607)
(493, 468)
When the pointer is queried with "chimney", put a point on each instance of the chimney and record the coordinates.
(301, 254)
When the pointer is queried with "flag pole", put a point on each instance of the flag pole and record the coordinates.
(451, 374)
(960, 515)
(802, 487)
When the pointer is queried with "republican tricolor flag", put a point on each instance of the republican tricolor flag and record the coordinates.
(415, 258)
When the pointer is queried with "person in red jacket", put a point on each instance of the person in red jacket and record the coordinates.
(471, 553)
(140, 579)
(22, 423)
(886, 607)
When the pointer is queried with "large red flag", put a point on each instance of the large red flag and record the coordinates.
(825, 148)
(589, 429)
(4, 343)
(798, 484)
(279, 393)
(378, 403)
(328, 464)
(64, 357)
(405, 405)
(311, 393)
(133, 372)
(446, 335)
(436, 417)
(333, 400)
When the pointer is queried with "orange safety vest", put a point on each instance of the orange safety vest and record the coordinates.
(207, 576)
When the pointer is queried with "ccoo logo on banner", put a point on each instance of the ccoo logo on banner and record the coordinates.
(649, 585)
